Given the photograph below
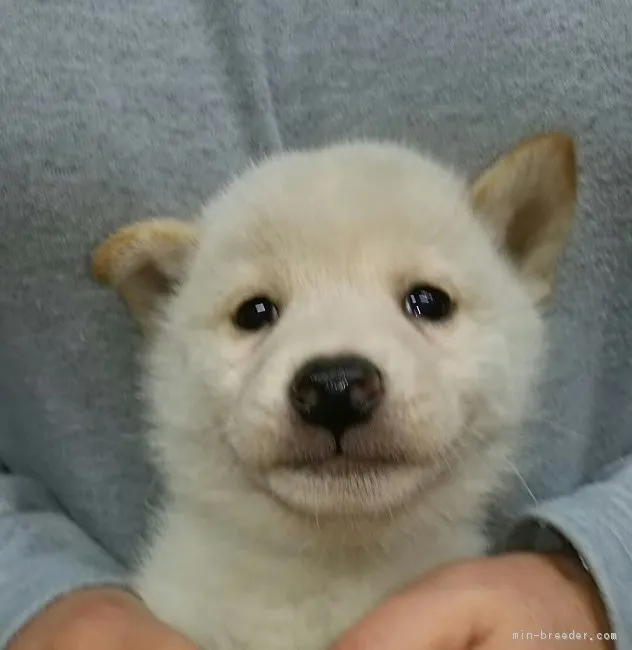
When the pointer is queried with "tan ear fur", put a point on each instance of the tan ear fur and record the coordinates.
(528, 198)
(143, 262)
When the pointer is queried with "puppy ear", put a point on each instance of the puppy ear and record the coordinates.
(144, 263)
(528, 197)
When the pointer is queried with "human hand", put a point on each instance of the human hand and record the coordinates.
(489, 604)
(98, 619)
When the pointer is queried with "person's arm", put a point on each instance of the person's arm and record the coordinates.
(597, 522)
(42, 555)
(59, 588)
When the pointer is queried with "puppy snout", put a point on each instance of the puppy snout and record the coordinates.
(336, 393)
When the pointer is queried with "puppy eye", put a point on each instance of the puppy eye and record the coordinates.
(255, 314)
(428, 302)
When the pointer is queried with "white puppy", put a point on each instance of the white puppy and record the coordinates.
(341, 349)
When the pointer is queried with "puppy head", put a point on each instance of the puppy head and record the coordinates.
(348, 332)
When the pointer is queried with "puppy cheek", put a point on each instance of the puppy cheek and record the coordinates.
(259, 427)
(194, 379)
(258, 437)
(427, 414)
(444, 422)
(493, 393)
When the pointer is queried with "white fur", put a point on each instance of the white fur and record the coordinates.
(250, 556)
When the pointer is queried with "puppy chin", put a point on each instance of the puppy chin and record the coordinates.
(345, 488)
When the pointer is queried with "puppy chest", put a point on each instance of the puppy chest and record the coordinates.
(242, 613)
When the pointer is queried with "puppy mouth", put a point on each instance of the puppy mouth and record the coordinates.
(341, 466)
(345, 486)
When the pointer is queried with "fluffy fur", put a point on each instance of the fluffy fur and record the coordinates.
(264, 542)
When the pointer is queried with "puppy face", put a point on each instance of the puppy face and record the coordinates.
(346, 331)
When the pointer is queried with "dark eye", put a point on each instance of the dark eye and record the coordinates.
(255, 314)
(430, 303)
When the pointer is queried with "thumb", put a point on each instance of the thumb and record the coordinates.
(427, 616)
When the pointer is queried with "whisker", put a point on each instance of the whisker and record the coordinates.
(523, 481)
(557, 426)
(444, 458)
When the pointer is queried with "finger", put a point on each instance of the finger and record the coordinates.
(420, 619)
(152, 634)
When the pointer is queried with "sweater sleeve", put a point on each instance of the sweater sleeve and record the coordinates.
(597, 522)
(43, 555)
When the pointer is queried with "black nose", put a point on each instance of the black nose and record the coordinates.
(337, 392)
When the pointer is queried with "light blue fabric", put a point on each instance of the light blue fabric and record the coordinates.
(113, 111)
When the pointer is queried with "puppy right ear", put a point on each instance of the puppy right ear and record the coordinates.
(144, 263)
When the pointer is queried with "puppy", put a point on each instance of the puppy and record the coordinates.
(340, 352)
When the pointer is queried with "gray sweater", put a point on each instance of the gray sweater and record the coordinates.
(114, 111)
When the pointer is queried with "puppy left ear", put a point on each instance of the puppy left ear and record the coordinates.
(528, 198)
(144, 263)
